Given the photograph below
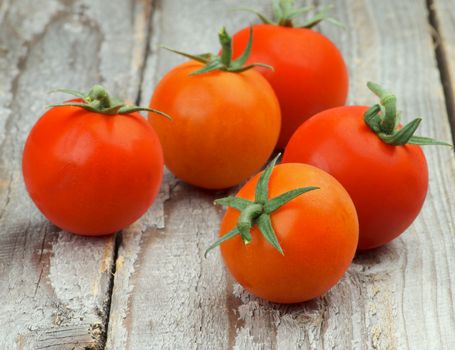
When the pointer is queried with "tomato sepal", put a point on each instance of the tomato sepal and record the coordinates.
(262, 188)
(234, 202)
(383, 119)
(265, 226)
(285, 11)
(320, 16)
(98, 100)
(234, 232)
(278, 202)
(258, 212)
(224, 62)
(263, 18)
(202, 58)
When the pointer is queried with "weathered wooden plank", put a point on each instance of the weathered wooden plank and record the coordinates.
(166, 296)
(413, 304)
(55, 286)
(443, 17)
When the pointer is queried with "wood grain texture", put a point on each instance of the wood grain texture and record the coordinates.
(443, 17)
(166, 296)
(398, 297)
(413, 301)
(54, 286)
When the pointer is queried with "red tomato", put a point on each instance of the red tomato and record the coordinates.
(317, 231)
(387, 183)
(91, 173)
(224, 125)
(309, 72)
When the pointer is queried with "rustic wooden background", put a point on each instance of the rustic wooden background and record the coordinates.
(149, 286)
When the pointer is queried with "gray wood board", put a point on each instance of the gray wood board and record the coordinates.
(412, 300)
(54, 286)
(444, 21)
(166, 296)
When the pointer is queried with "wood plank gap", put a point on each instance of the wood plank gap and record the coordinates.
(110, 289)
(147, 51)
(119, 235)
(443, 66)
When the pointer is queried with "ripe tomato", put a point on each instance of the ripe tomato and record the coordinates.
(225, 123)
(309, 72)
(388, 183)
(317, 232)
(92, 173)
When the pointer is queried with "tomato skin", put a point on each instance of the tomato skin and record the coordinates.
(309, 74)
(318, 232)
(224, 128)
(90, 173)
(388, 184)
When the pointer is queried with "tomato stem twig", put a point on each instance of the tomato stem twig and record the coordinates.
(285, 12)
(258, 212)
(98, 100)
(383, 118)
(224, 62)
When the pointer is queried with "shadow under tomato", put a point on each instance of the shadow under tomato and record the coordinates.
(385, 258)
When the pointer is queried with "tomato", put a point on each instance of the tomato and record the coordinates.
(388, 183)
(225, 123)
(309, 73)
(317, 235)
(92, 173)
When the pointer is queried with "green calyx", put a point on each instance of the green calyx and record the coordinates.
(285, 12)
(98, 100)
(258, 212)
(224, 62)
(384, 118)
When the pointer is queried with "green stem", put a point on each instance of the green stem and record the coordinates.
(226, 47)
(248, 215)
(389, 101)
(286, 22)
(100, 96)
(377, 89)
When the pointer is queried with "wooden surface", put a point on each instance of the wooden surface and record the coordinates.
(58, 291)
(443, 20)
(55, 287)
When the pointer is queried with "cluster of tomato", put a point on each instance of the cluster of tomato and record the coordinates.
(352, 177)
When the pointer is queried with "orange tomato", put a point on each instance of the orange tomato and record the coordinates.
(318, 233)
(225, 124)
